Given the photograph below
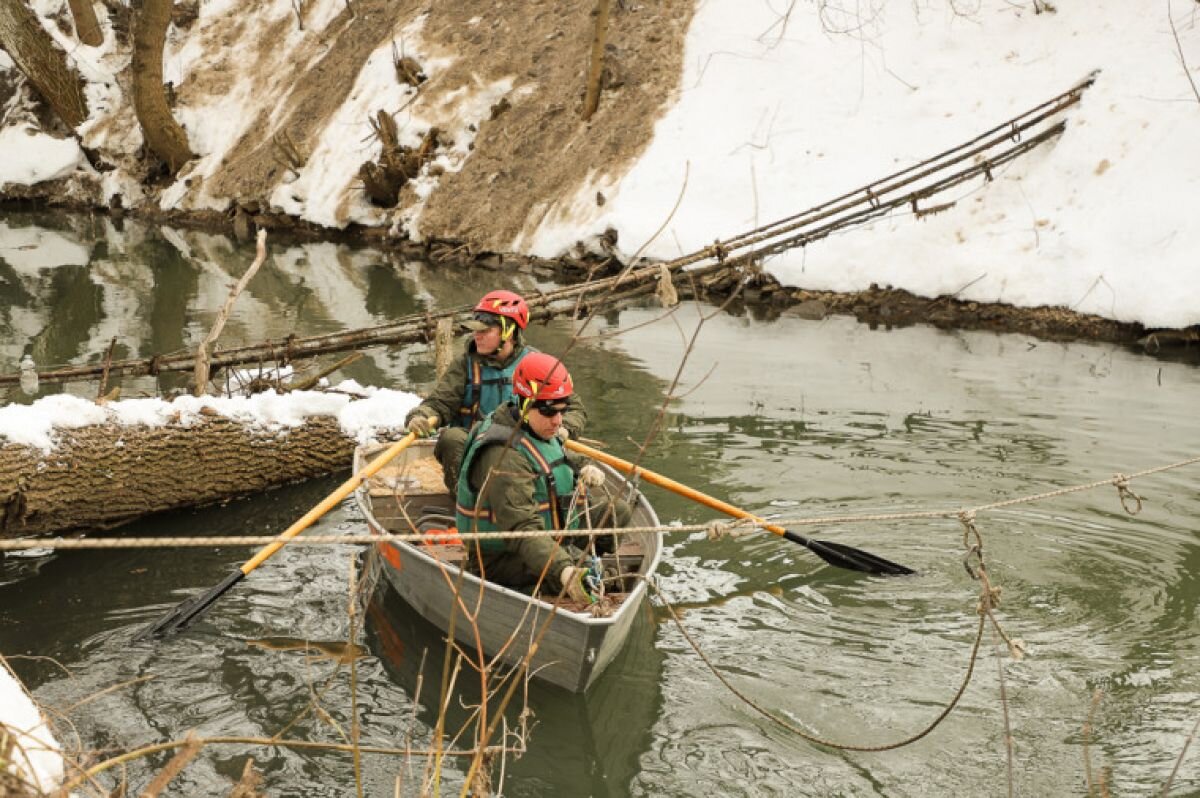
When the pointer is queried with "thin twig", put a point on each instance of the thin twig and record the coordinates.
(107, 366)
(1087, 740)
(1008, 736)
(1179, 760)
(1179, 48)
(352, 634)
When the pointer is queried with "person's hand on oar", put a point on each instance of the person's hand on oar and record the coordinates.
(190, 609)
(835, 554)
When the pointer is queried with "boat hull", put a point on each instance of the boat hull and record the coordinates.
(570, 649)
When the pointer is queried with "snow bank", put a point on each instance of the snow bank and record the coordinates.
(36, 757)
(778, 113)
(32, 157)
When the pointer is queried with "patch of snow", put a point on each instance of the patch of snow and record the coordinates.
(32, 157)
(326, 191)
(36, 757)
(318, 14)
(384, 409)
(215, 127)
(36, 425)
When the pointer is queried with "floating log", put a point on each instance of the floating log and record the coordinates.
(105, 475)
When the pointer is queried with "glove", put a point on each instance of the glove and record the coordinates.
(563, 433)
(591, 476)
(583, 584)
(420, 426)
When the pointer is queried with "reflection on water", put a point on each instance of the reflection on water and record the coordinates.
(586, 744)
(797, 417)
(341, 651)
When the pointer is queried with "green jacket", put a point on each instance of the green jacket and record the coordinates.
(451, 398)
(530, 482)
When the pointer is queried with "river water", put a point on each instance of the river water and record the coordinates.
(789, 416)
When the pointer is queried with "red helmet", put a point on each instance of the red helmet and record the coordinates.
(542, 378)
(506, 304)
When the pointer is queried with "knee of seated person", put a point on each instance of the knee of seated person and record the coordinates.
(450, 444)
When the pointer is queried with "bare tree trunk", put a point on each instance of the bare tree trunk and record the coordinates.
(163, 134)
(592, 99)
(91, 482)
(87, 27)
(46, 67)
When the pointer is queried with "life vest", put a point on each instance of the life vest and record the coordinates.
(552, 488)
(487, 387)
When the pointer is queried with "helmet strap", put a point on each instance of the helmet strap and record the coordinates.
(506, 329)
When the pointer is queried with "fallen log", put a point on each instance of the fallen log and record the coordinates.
(101, 475)
(597, 295)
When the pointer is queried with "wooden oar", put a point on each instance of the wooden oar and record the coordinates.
(835, 554)
(192, 608)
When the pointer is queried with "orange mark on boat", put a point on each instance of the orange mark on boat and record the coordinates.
(392, 555)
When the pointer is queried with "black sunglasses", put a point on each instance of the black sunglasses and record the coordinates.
(551, 410)
(490, 319)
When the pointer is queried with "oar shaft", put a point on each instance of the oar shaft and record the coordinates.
(330, 501)
(838, 555)
(670, 484)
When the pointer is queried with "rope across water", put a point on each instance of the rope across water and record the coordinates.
(1131, 501)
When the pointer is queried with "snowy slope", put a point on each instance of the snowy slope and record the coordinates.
(781, 105)
(779, 114)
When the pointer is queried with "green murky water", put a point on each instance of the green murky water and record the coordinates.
(787, 416)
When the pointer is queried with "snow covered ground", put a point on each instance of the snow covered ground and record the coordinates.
(36, 757)
(783, 105)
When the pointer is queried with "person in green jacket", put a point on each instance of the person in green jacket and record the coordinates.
(480, 380)
(516, 476)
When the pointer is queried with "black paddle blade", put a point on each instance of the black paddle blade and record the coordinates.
(188, 610)
(848, 557)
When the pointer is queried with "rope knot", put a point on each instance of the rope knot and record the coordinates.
(989, 599)
(715, 530)
(967, 519)
(1127, 495)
